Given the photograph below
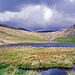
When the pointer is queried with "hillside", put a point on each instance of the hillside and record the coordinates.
(64, 35)
(10, 35)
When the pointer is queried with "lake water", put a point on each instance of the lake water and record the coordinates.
(53, 71)
(42, 45)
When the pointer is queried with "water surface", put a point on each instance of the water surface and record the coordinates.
(42, 45)
(53, 71)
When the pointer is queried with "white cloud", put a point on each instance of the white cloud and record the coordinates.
(7, 16)
(72, 0)
(36, 15)
(30, 15)
(47, 14)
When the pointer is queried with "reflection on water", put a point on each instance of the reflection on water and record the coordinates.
(57, 71)
(53, 72)
(73, 68)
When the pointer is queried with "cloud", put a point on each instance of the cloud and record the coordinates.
(42, 15)
(47, 13)
(72, 0)
(29, 15)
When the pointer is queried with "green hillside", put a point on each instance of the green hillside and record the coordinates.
(70, 36)
(65, 40)
(64, 35)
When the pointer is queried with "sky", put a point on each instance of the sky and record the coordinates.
(38, 14)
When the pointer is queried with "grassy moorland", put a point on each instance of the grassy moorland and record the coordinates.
(65, 40)
(9, 35)
(13, 58)
(71, 73)
(12, 35)
(64, 35)
(28, 57)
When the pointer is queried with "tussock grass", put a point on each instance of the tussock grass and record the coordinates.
(11, 70)
(14, 59)
(31, 73)
(71, 73)
(31, 57)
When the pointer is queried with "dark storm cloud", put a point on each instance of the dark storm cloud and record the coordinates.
(61, 5)
(38, 13)
(11, 5)
(66, 6)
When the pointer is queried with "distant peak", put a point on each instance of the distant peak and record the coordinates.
(2, 25)
(73, 26)
(24, 29)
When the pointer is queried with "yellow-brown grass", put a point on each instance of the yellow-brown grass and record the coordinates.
(38, 57)
(9, 36)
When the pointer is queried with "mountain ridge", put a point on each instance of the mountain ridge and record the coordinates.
(24, 29)
(2, 25)
(62, 33)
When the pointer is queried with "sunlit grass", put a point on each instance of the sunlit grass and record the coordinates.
(14, 59)
(71, 73)
(10, 36)
(11, 70)
(31, 57)
(31, 73)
